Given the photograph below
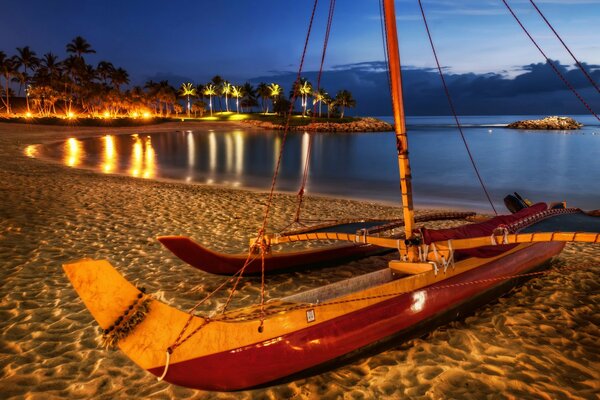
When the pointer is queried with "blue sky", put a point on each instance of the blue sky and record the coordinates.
(241, 39)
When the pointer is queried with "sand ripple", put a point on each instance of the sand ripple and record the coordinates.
(541, 341)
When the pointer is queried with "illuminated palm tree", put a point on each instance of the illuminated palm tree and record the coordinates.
(236, 91)
(218, 82)
(210, 90)
(8, 70)
(305, 89)
(26, 58)
(330, 103)
(318, 97)
(275, 92)
(188, 89)
(226, 90)
(344, 99)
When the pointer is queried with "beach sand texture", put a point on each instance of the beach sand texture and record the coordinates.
(542, 341)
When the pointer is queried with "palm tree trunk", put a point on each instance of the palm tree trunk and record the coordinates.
(7, 102)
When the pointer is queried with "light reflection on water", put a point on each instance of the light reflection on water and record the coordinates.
(73, 152)
(544, 166)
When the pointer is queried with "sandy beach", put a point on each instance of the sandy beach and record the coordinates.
(541, 341)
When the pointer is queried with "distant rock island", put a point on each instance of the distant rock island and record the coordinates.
(548, 123)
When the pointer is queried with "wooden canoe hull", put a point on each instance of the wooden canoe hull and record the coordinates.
(213, 262)
(285, 355)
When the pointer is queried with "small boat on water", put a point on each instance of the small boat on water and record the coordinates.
(439, 275)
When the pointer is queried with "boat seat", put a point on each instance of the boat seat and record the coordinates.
(409, 268)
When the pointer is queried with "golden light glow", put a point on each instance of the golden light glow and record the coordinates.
(304, 155)
(135, 114)
(109, 155)
(228, 152)
(147, 115)
(276, 150)
(238, 117)
(31, 150)
(28, 114)
(239, 152)
(191, 145)
(150, 160)
(106, 114)
(70, 115)
(212, 151)
(73, 150)
(136, 157)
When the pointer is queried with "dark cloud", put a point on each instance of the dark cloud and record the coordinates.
(535, 90)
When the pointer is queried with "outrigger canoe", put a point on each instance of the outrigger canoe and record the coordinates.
(229, 351)
(214, 262)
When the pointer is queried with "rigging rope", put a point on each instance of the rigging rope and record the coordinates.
(259, 243)
(561, 76)
(300, 195)
(385, 48)
(462, 135)
(566, 47)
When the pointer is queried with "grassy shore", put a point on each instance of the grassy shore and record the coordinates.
(295, 120)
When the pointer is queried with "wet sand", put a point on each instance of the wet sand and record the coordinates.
(541, 341)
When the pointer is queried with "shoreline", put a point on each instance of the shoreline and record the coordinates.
(51, 214)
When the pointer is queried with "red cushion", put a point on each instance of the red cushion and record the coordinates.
(479, 229)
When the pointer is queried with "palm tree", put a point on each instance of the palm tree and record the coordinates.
(26, 58)
(210, 90)
(225, 90)
(344, 99)
(236, 91)
(8, 70)
(218, 82)
(168, 94)
(305, 90)
(153, 88)
(275, 93)
(119, 77)
(188, 89)
(263, 91)
(249, 96)
(330, 103)
(79, 46)
(319, 97)
(105, 70)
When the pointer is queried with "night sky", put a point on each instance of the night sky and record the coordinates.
(240, 40)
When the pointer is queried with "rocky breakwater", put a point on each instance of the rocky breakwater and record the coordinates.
(548, 123)
(361, 125)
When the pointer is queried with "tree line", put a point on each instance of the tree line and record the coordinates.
(71, 86)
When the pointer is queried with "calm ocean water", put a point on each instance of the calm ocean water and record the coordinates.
(542, 165)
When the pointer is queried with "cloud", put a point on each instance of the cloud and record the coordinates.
(536, 89)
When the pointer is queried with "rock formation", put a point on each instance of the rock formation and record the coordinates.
(548, 123)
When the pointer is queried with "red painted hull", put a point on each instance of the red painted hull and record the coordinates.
(228, 264)
(283, 356)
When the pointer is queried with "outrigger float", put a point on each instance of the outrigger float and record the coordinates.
(439, 275)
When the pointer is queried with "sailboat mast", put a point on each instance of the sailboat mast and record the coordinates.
(399, 120)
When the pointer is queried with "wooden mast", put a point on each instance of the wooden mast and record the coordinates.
(399, 122)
